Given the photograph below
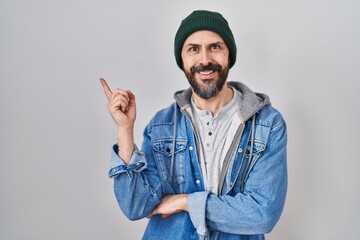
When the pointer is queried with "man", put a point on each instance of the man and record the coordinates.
(213, 164)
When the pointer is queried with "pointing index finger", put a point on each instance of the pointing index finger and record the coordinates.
(106, 88)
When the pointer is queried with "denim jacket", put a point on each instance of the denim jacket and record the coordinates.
(254, 182)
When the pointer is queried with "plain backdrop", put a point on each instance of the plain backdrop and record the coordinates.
(56, 133)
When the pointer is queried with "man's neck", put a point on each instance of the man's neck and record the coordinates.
(215, 103)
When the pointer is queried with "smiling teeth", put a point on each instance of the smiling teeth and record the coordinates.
(206, 72)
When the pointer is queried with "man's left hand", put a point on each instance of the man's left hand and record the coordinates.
(170, 204)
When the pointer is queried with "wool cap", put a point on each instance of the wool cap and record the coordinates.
(204, 20)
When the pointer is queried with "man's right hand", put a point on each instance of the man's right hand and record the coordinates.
(121, 105)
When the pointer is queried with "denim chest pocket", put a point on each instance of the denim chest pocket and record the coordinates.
(163, 152)
(261, 137)
(258, 148)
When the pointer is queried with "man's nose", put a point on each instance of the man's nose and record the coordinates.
(205, 58)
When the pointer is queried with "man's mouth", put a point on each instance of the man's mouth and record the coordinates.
(206, 73)
(206, 70)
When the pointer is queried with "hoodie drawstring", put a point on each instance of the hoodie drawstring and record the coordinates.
(250, 155)
(173, 146)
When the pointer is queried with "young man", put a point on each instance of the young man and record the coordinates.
(213, 164)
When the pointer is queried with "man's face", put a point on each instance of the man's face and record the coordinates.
(205, 59)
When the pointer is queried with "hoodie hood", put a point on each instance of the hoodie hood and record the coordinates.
(251, 102)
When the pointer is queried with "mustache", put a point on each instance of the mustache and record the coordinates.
(209, 67)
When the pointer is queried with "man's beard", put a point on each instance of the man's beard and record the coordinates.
(208, 91)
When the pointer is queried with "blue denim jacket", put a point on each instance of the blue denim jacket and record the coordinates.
(254, 185)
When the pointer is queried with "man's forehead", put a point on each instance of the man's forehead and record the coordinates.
(203, 36)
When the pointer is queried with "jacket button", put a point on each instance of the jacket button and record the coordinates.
(197, 181)
(191, 148)
(240, 150)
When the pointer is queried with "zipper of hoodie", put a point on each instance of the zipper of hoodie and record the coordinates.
(173, 146)
(228, 156)
(196, 136)
(250, 155)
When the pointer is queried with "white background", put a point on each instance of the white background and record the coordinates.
(56, 134)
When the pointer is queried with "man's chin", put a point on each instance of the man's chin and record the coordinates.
(206, 81)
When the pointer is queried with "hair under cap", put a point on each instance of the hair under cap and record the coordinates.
(204, 20)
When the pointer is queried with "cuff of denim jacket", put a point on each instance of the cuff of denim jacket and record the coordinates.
(196, 204)
(117, 165)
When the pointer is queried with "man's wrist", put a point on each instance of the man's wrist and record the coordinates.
(126, 144)
(125, 129)
(184, 202)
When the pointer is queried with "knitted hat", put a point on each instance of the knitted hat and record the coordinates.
(204, 20)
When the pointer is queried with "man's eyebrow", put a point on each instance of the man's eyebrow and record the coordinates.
(193, 45)
(197, 45)
(217, 43)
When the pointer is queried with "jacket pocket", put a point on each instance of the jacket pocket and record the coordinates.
(163, 152)
(258, 148)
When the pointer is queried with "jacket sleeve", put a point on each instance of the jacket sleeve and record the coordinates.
(258, 208)
(137, 185)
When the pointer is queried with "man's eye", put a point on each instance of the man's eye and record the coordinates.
(215, 46)
(192, 49)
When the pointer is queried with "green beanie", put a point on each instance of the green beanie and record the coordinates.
(204, 20)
